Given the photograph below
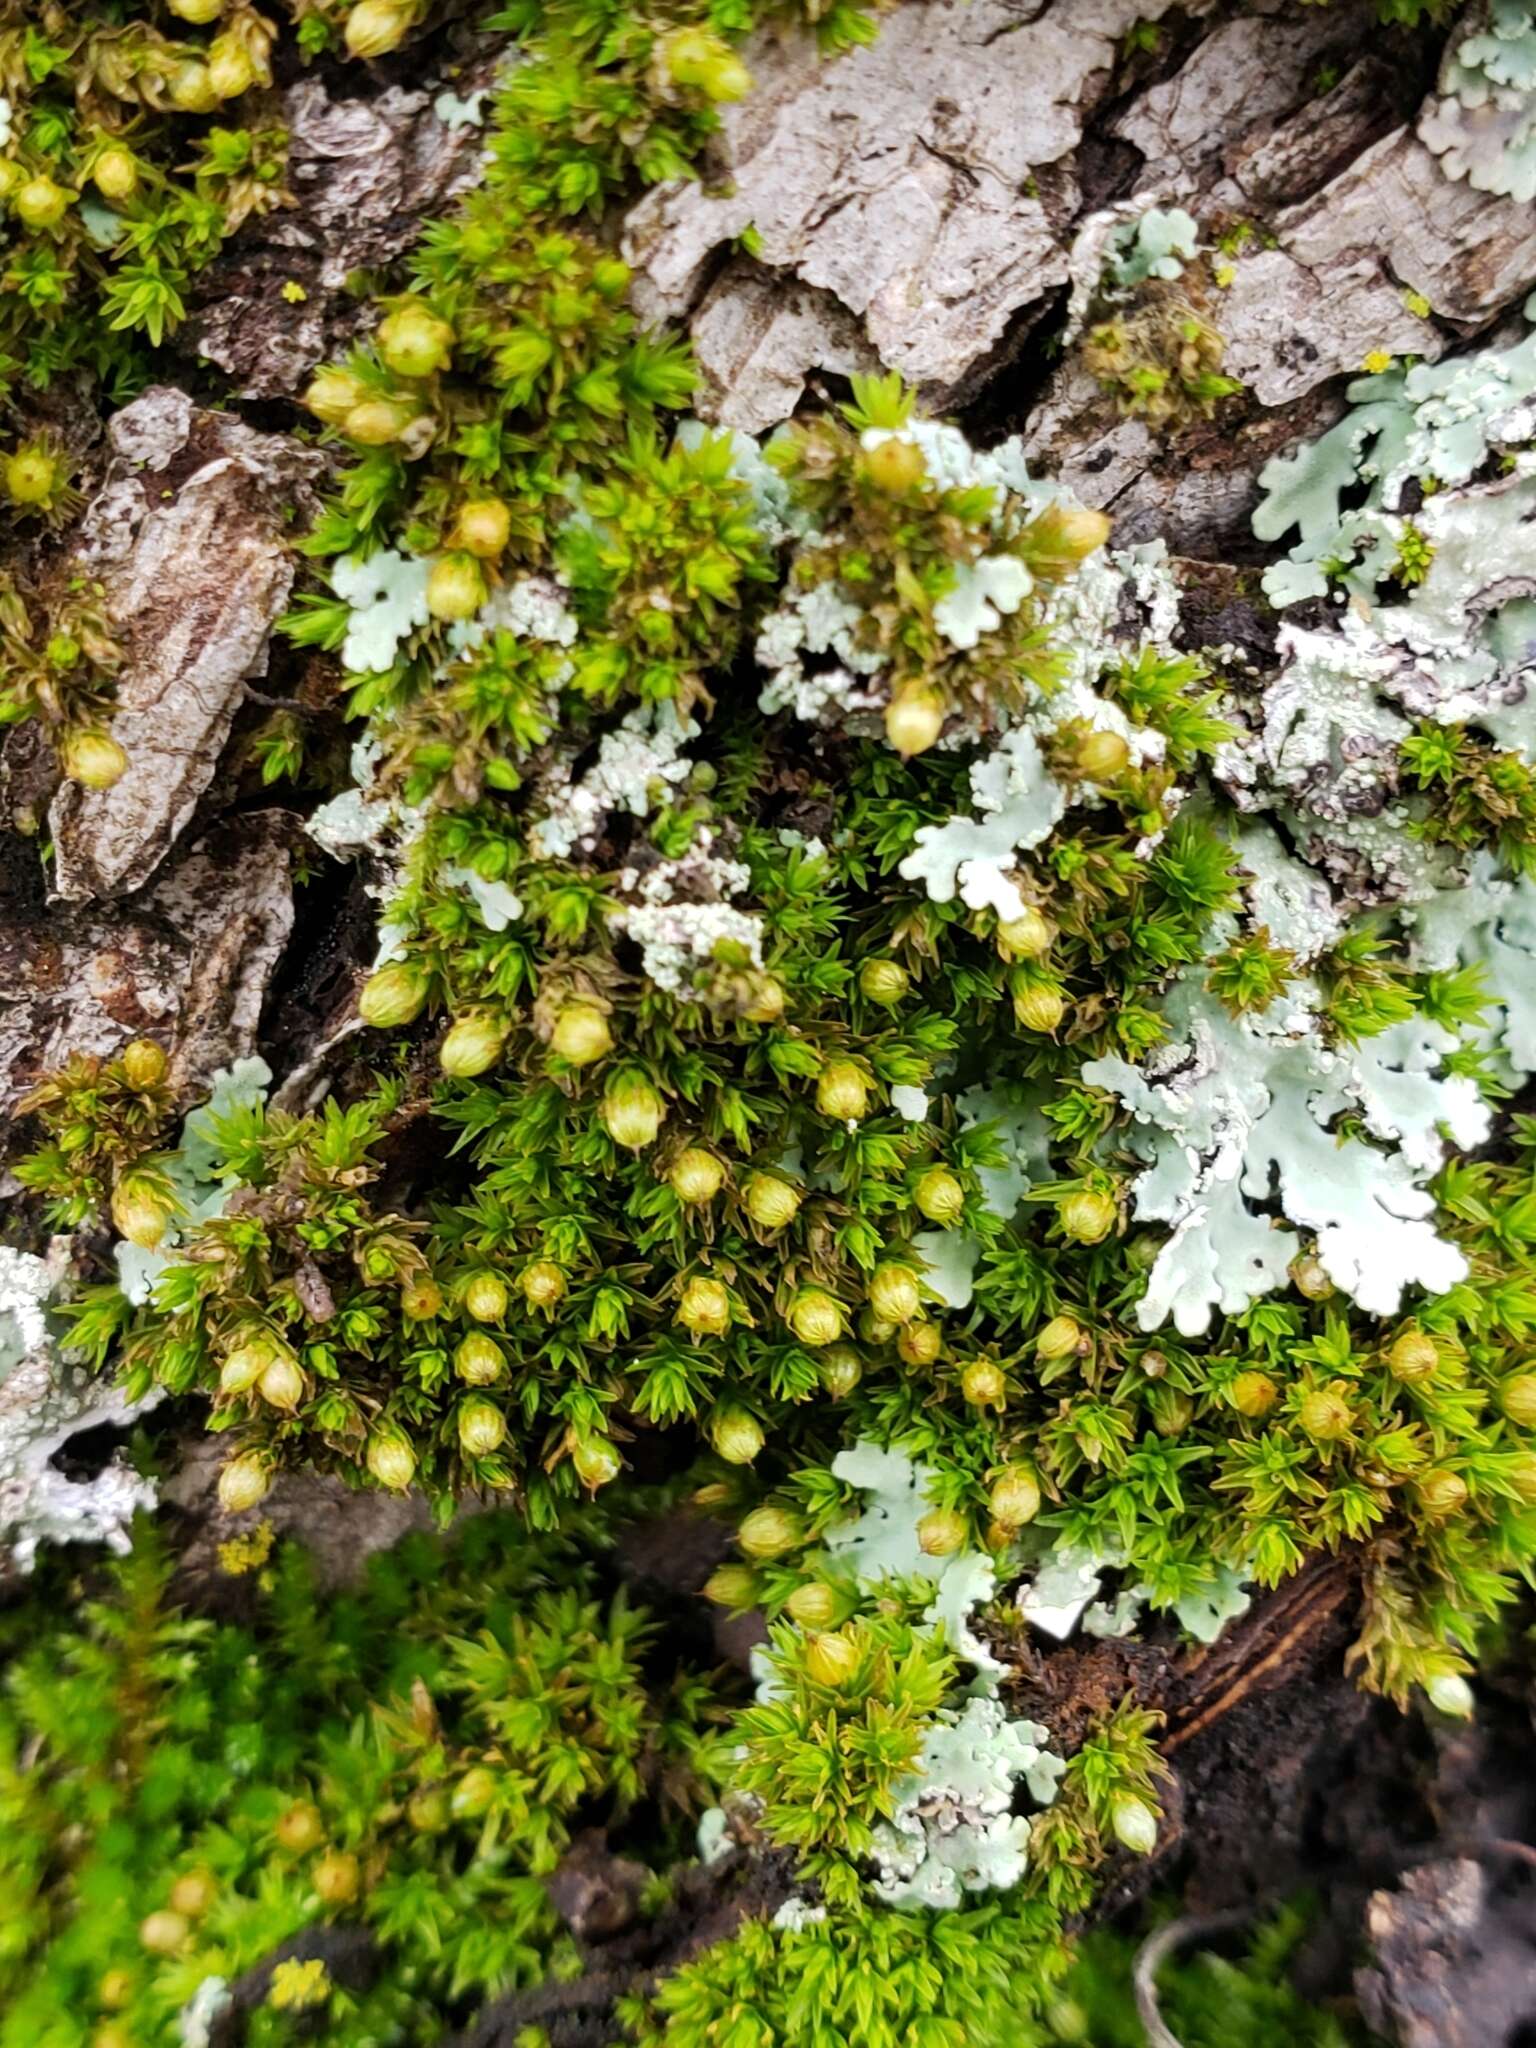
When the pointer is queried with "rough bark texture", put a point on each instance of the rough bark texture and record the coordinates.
(188, 539)
(926, 204)
(364, 174)
(187, 959)
(917, 204)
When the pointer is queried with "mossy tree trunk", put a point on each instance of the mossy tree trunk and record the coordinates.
(938, 204)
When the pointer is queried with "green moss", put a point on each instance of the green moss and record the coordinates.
(1207, 1999)
(737, 1089)
(409, 1759)
(968, 1979)
(125, 169)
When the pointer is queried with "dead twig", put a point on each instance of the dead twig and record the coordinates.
(1158, 1947)
(1155, 1951)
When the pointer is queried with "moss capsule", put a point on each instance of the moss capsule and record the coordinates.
(596, 1462)
(1015, 1497)
(894, 1294)
(1449, 1693)
(473, 1795)
(420, 1298)
(482, 1429)
(941, 1532)
(631, 1111)
(193, 1893)
(983, 1384)
(1413, 1356)
(842, 1092)
(164, 1933)
(1442, 1494)
(485, 1297)
(733, 1586)
(299, 1828)
(815, 1317)
(1039, 1007)
(1061, 1337)
(456, 588)
(231, 67)
(1134, 1823)
(39, 203)
(391, 1460)
(769, 1532)
(894, 466)
(1309, 1278)
(473, 1045)
(1102, 756)
(696, 1176)
(1254, 1394)
(814, 1605)
(144, 1064)
(770, 1202)
(736, 1436)
(1324, 1415)
(940, 1197)
(831, 1658)
(914, 718)
(482, 527)
(281, 1384)
(543, 1284)
(191, 89)
(393, 996)
(332, 394)
(93, 759)
(581, 1034)
(479, 1360)
(1088, 1216)
(884, 982)
(337, 1877)
(705, 1311)
(840, 1369)
(414, 342)
(244, 1483)
(919, 1344)
(34, 477)
(1029, 936)
(376, 422)
(375, 27)
(141, 1209)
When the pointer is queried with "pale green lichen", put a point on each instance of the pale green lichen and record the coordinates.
(1435, 422)
(954, 1830)
(198, 1172)
(1482, 125)
(44, 1401)
(1487, 922)
(1235, 1114)
(387, 593)
(1020, 802)
(882, 1542)
(1159, 244)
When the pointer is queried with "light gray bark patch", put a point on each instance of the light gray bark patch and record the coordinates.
(1468, 252)
(1239, 81)
(186, 963)
(195, 573)
(340, 1527)
(1448, 1970)
(1348, 217)
(364, 176)
(757, 338)
(899, 178)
